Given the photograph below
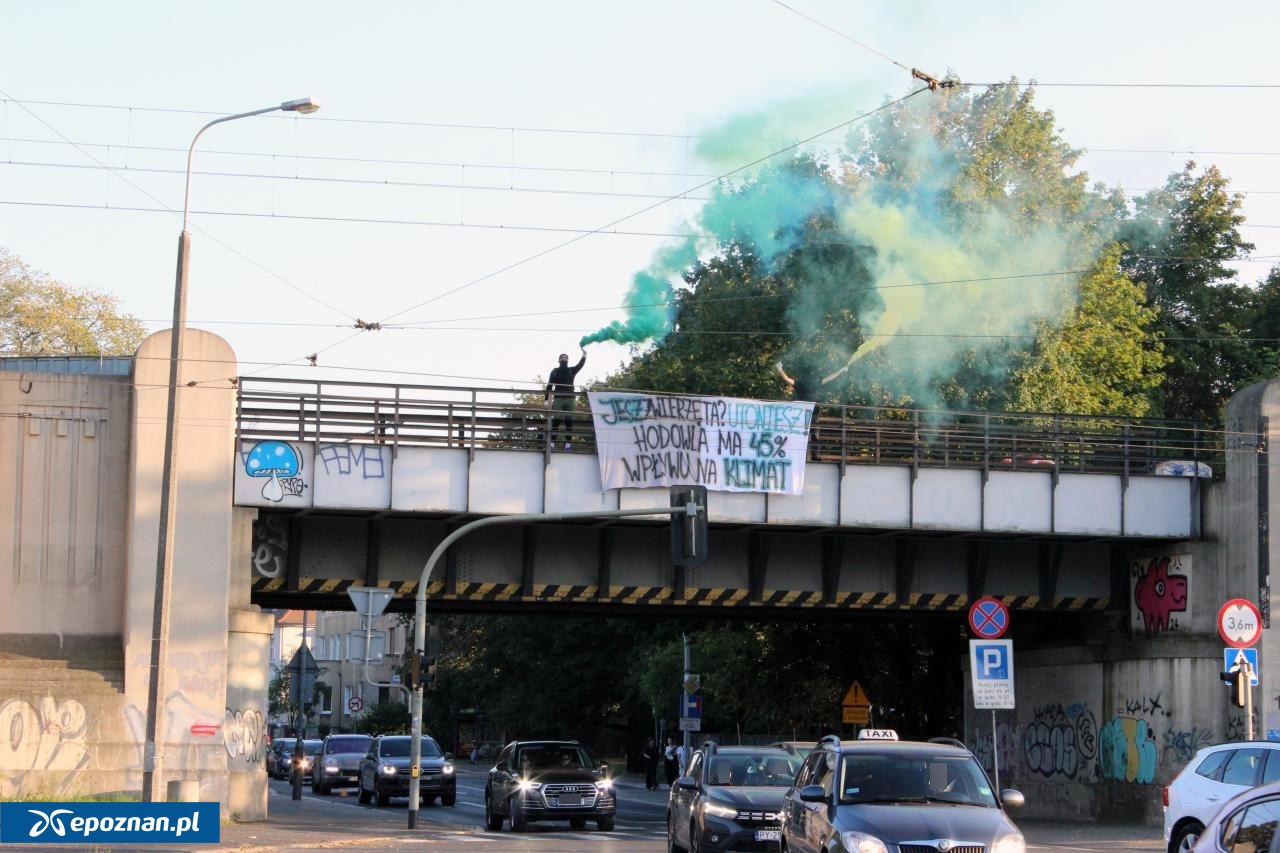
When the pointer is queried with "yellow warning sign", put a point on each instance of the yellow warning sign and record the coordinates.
(855, 707)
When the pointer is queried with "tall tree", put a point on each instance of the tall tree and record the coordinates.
(954, 231)
(1104, 360)
(1262, 330)
(1181, 239)
(42, 316)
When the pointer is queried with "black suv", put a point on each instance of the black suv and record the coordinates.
(384, 771)
(730, 798)
(880, 793)
(537, 780)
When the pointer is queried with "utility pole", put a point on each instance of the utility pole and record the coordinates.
(688, 674)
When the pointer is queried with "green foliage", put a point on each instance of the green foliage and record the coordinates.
(1104, 360)
(384, 718)
(1179, 243)
(600, 680)
(279, 697)
(957, 258)
(41, 316)
(278, 689)
(918, 273)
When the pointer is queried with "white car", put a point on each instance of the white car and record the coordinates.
(1214, 775)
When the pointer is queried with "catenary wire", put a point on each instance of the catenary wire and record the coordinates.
(119, 176)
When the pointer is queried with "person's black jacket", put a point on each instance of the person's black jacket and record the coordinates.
(560, 382)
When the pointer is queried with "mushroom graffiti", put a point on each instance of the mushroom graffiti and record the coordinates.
(273, 459)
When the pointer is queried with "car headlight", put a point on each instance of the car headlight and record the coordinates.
(718, 810)
(388, 769)
(863, 843)
(447, 770)
(604, 786)
(331, 764)
(527, 785)
(1012, 843)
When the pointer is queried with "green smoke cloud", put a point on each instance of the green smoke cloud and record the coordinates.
(649, 300)
(946, 277)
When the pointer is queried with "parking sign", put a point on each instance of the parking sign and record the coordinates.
(991, 668)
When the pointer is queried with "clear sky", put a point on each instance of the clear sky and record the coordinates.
(485, 178)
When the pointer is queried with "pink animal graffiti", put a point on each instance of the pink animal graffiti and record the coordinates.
(1158, 594)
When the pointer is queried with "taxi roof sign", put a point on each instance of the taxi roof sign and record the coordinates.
(878, 734)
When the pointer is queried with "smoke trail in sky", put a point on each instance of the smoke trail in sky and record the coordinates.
(946, 279)
(650, 300)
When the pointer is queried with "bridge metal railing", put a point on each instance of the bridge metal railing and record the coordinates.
(491, 418)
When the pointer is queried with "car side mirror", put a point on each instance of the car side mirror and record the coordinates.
(813, 794)
(1012, 799)
(449, 755)
(605, 769)
(687, 782)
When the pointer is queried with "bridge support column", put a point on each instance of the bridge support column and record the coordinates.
(248, 669)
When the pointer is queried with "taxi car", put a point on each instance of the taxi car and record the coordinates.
(879, 793)
(729, 798)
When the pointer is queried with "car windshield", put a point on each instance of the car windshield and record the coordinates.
(348, 744)
(399, 748)
(886, 777)
(311, 747)
(753, 769)
(551, 756)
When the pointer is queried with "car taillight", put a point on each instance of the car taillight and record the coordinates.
(1164, 796)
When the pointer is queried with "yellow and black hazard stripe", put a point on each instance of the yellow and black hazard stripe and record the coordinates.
(642, 596)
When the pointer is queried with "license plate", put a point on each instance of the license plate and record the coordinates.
(768, 835)
(570, 799)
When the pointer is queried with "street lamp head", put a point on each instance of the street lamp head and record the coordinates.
(301, 105)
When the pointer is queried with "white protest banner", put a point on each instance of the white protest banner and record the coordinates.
(724, 443)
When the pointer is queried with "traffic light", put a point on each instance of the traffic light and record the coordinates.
(689, 529)
(429, 683)
(1238, 680)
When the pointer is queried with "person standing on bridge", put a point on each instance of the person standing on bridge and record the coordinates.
(562, 398)
(807, 384)
(805, 387)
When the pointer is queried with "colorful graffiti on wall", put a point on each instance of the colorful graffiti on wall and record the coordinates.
(279, 464)
(1128, 751)
(1159, 587)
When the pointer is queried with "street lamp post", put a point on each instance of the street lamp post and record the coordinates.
(152, 757)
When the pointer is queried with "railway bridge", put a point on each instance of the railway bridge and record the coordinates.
(1119, 539)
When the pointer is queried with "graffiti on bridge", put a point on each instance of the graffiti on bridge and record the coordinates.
(1128, 751)
(36, 739)
(998, 755)
(1160, 593)
(1061, 741)
(245, 735)
(1180, 746)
